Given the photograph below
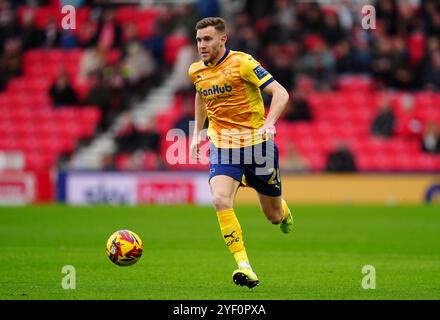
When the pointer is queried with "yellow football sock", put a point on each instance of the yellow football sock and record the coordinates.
(285, 209)
(232, 234)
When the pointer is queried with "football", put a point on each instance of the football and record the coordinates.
(124, 248)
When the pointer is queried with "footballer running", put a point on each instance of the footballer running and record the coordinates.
(242, 148)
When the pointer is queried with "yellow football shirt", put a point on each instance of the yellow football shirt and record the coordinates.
(231, 92)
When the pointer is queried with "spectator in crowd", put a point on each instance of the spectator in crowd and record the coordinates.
(343, 57)
(383, 123)
(155, 42)
(431, 17)
(319, 63)
(9, 24)
(246, 40)
(284, 13)
(186, 55)
(345, 14)
(431, 138)
(133, 136)
(183, 86)
(409, 125)
(184, 17)
(108, 34)
(139, 67)
(382, 62)
(85, 35)
(341, 159)
(128, 36)
(91, 63)
(281, 68)
(183, 122)
(208, 8)
(31, 37)
(402, 78)
(148, 136)
(122, 94)
(387, 13)
(361, 55)
(51, 35)
(311, 17)
(126, 136)
(332, 31)
(62, 92)
(432, 75)
(68, 39)
(298, 108)
(100, 95)
(10, 61)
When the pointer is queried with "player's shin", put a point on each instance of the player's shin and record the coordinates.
(285, 210)
(232, 234)
(287, 222)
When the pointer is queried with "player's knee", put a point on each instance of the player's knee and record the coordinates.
(221, 201)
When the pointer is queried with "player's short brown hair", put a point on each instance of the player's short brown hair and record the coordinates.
(216, 22)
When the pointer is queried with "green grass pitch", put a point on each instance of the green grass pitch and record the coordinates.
(185, 256)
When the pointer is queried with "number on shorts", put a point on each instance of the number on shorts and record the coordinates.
(275, 178)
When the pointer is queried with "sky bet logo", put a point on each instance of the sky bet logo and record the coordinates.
(214, 90)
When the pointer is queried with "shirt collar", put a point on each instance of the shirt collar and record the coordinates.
(220, 61)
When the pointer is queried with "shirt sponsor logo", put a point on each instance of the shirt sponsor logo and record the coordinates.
(214, 90)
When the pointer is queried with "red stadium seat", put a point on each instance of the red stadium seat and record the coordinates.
(126, 14)
(33, 56)
(39, 161)
(113, 56)
(145, 28)
(428, 162)
(90, 114)
(315, 162)
(407, 162)
(42, 15)
(355, 83)
(165, 121)
(173, 43)
(29, 84)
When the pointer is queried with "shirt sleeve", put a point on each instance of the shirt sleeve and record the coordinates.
(252, 71)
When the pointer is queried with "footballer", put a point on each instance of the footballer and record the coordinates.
(242, 148)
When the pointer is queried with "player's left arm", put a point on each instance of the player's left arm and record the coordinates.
(280, 97)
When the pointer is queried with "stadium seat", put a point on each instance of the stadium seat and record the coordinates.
(39, 161)
(173, 43)
(355, 83)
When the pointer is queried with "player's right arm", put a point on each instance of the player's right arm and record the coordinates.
(199, 118)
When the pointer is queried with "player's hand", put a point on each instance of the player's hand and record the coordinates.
(194, 149)
(268, 131)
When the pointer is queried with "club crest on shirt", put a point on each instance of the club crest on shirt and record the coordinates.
(227, 73)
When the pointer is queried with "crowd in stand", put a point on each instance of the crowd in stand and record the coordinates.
(297, 39)
(294, 40)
